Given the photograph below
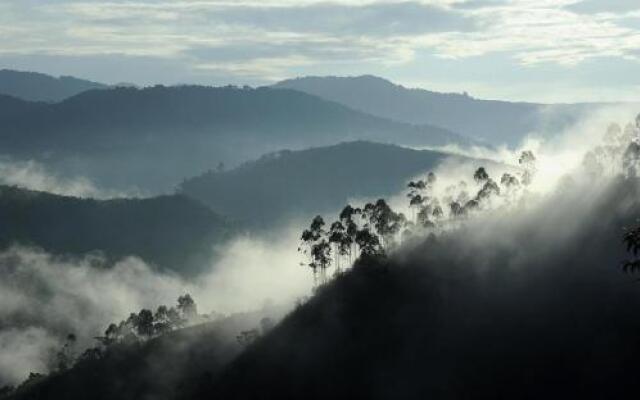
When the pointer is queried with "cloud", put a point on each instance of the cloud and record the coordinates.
(35, 176)
(272, 38)
(44, 297)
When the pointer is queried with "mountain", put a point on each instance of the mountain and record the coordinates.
(502, 308)
(289, 184)
(13, 107)
(170, 232)
(154, 137)
(495, 122)
(34, 86)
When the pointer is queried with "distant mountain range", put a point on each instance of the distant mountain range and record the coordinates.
(495, 122)
(34, 86)
(154, 137)
(291, 184)
(172, 233)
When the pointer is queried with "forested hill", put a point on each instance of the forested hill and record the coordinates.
(11, 107)
(289, 184)
(502, 308)
(160, 135)
(171, 232)
(35, 86)
(495, 122)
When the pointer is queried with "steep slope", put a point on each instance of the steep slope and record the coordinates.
(495, 122)
(160, 368)
(503, 308)
(156, 136)
(526, 311)
(35, 86)
(12, 107)
(172, 232)
(290, 184)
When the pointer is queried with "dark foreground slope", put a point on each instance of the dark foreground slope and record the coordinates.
(529, 307)
(154, 137)
(172, 232)
(534, 307)
(157, 369)
(291, 184)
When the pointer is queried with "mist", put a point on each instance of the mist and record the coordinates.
(45, 297)
(34, 175)
(526, 299)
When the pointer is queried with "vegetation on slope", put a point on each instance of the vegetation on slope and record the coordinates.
(171, 232)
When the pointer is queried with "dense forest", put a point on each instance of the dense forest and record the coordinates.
(172, 233)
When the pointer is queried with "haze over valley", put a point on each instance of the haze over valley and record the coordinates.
(305, 200)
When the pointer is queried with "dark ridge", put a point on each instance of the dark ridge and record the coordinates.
(290, 184)
(172, 233)
(492, 121)
(34, 86)
(163, 134)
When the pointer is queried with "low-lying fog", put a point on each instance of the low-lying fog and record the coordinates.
(43, 298)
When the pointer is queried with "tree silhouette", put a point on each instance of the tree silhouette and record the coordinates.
(528, 161)
(369, 243)
(480, 175)
(187, 307)
(338, 238)
(489, 188)
(311, 239)
(321, 257)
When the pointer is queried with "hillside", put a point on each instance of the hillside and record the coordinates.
(521, 310)
(155, 369)
(156, 136)
(171, 232)
(33, 86)
(495, 122)
(290, 184)
(11, 107)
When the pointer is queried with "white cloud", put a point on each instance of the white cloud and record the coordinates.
(270, 39)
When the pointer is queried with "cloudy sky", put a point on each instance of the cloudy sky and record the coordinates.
(540, 50)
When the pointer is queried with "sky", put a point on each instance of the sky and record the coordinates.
(530, 50)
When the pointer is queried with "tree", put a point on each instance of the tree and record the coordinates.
(321, 257)
(489, 188)
(187, 307)
(311, 241)
(369, 243)
(144, 323)
(385, 221)
(416, 202)
(456, 209)
(528, 162)
(423, 218)
(338, 237)
(351, 228)
(480, 175)
(509, 181)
